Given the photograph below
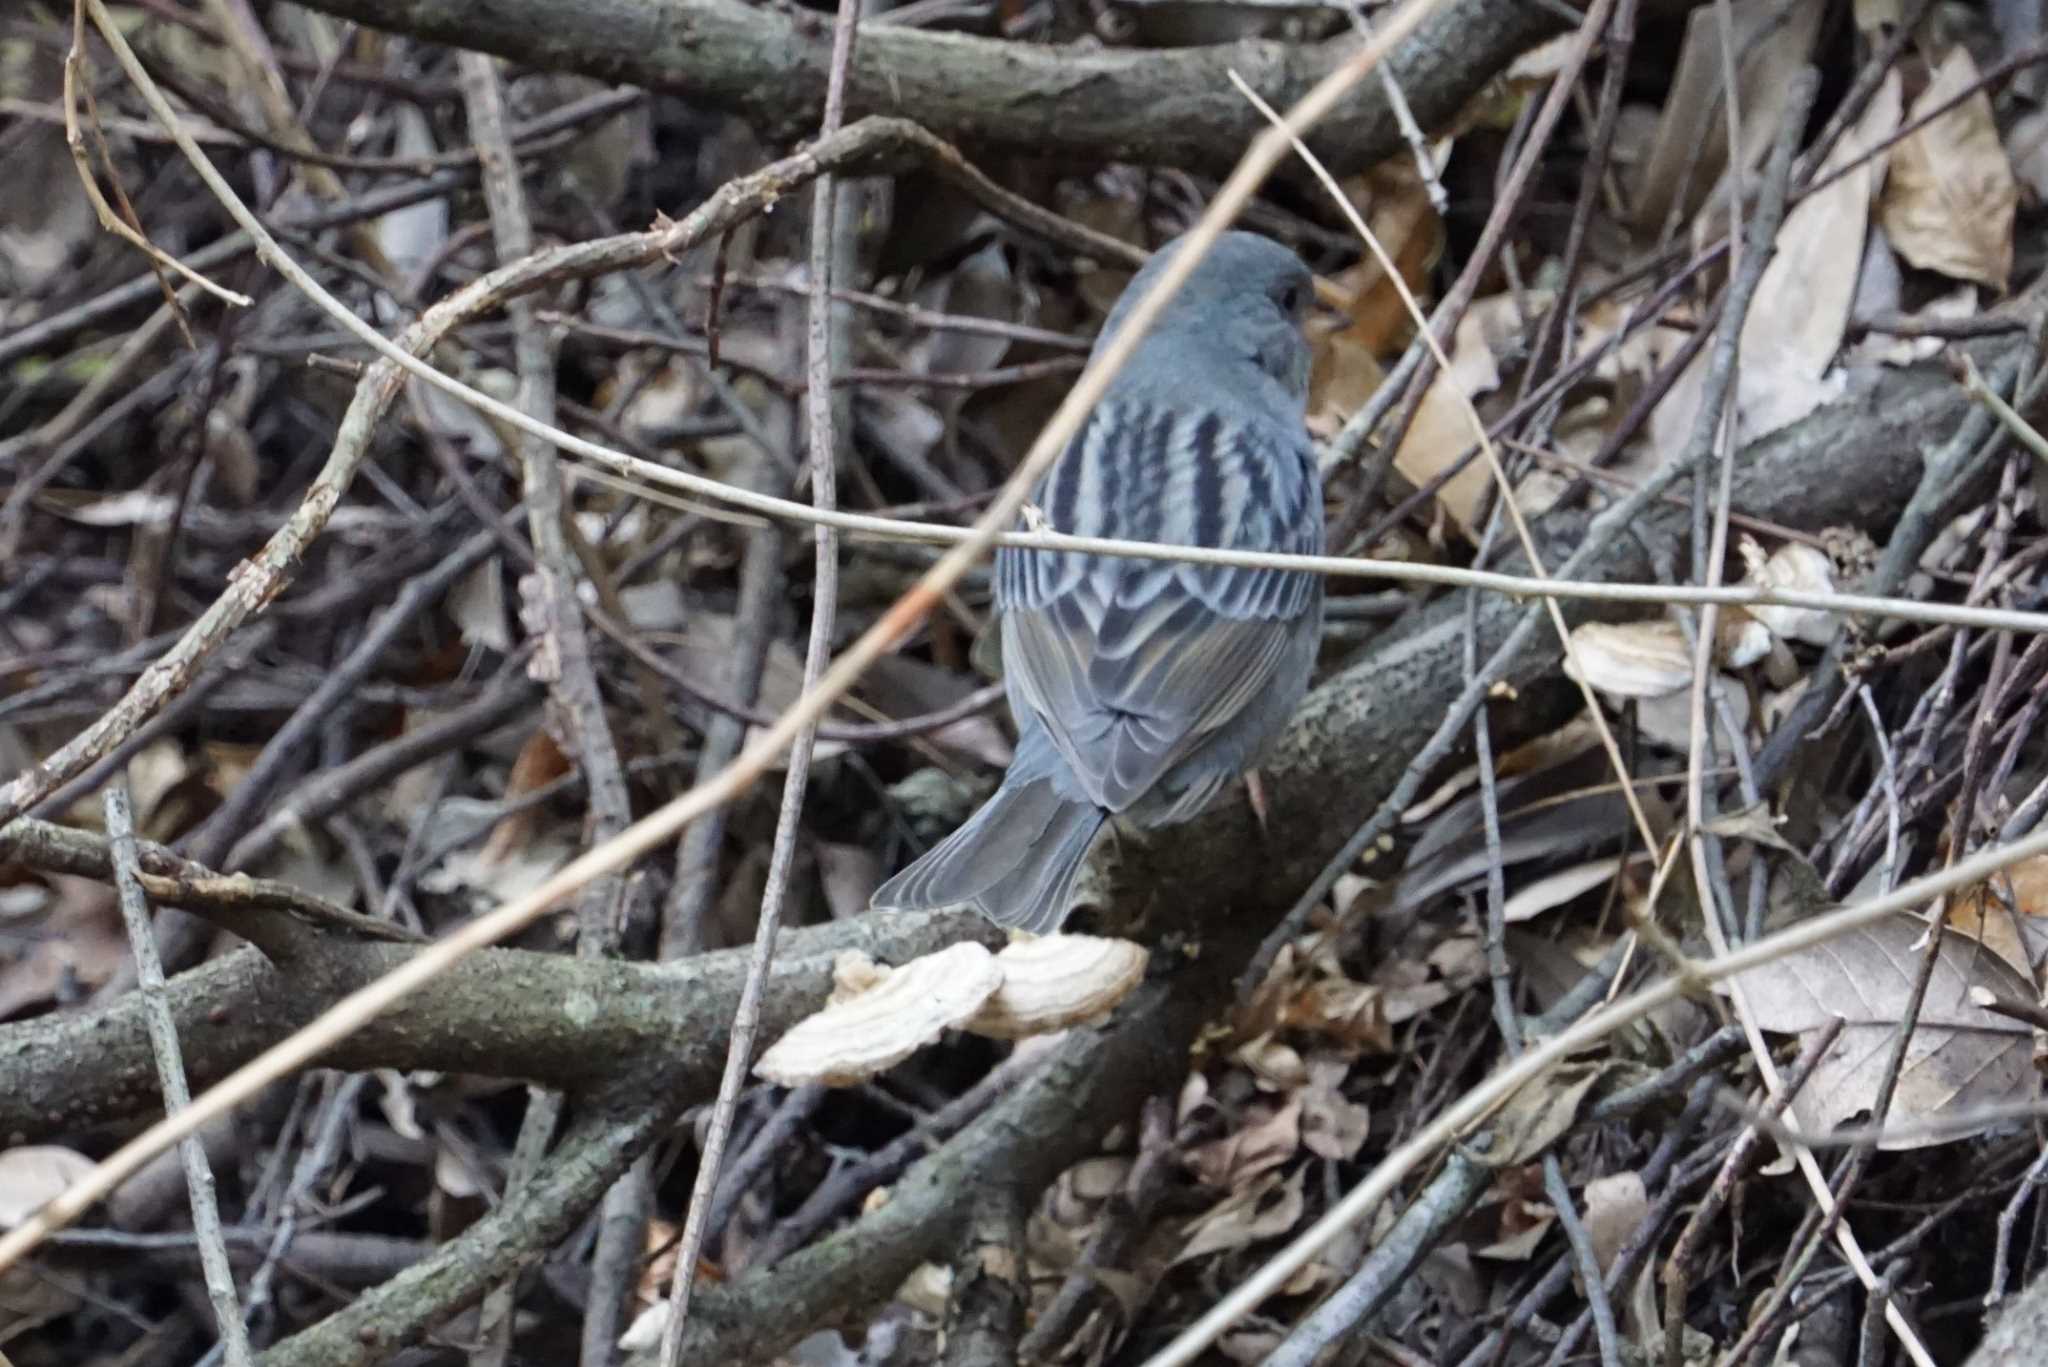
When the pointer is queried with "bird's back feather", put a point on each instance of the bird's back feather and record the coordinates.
(1133, 666)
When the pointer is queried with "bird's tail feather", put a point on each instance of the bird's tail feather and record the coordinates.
(1014, 861)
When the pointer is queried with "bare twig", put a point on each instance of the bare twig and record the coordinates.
(2008, 1216)
(2020, 429)
(1552, 109)
(1678, 1267)
(120, 224)
(322, 1151)
(212, 841)
(563, 658)
(762, 1151)
(1395, 1255)
(849, 1184)
(824, 463)
(173, 881)
(170, 1068)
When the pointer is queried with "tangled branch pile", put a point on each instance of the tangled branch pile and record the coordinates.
(1739, 296)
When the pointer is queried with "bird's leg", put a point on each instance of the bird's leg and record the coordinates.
(1255, 795)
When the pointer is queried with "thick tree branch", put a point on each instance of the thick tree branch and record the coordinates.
(1054, 1118)
(544, 1018)
(767, 63)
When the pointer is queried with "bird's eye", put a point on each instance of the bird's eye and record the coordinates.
(1291, 298)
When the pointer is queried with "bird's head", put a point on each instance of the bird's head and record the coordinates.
(1246, 299)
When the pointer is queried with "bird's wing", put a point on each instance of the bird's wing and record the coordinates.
(1133, 664)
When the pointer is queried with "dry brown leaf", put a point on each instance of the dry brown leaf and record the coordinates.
(503, 868)
(476, 604)
(1332, 1125)
(1407, 990)
(1553, 890)
(1690, 151)
(1092, 1181)
(1263, 1010)
(1802, 303)
(1263, 1210)
(1395, 204)
(30, 1298)
(157, 771)
(1884, 348)
(2007, 915)
(1632, 361)
(1615, 1207)
(661, 1242)
(703, 652)
(1460, 961)
(540, 762)
(1961, 1056)
(1521, 1245)
(1542, 63)
(2027, 146)
(849, 874)
(455, 1173)
(1750, 823)
(1550, 749)
(1344, 375)
(1545, 815)
(76, 945)
(1667, 721)
(1072, 1210)
(1346, 369)
(899, 686)
(1349, 1012)
(1950, 201)
(1536, 1116)
(413, 236)
(1257, 1147)
(1273, 1063)
(1442, 430)
(927, 1289)
(981, 286)
(1794, 331)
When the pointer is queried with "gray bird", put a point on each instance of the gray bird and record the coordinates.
(1141, 687)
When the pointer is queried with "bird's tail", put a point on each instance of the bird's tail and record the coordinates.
(1014, 861)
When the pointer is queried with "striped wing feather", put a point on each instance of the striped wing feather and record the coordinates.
(1133, 665)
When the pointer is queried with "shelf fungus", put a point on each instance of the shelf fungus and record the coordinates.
(879, 1016)
(1053, 981)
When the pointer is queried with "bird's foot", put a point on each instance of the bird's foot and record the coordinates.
(1255, 795)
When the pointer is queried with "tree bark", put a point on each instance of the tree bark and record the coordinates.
(1172, 107)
